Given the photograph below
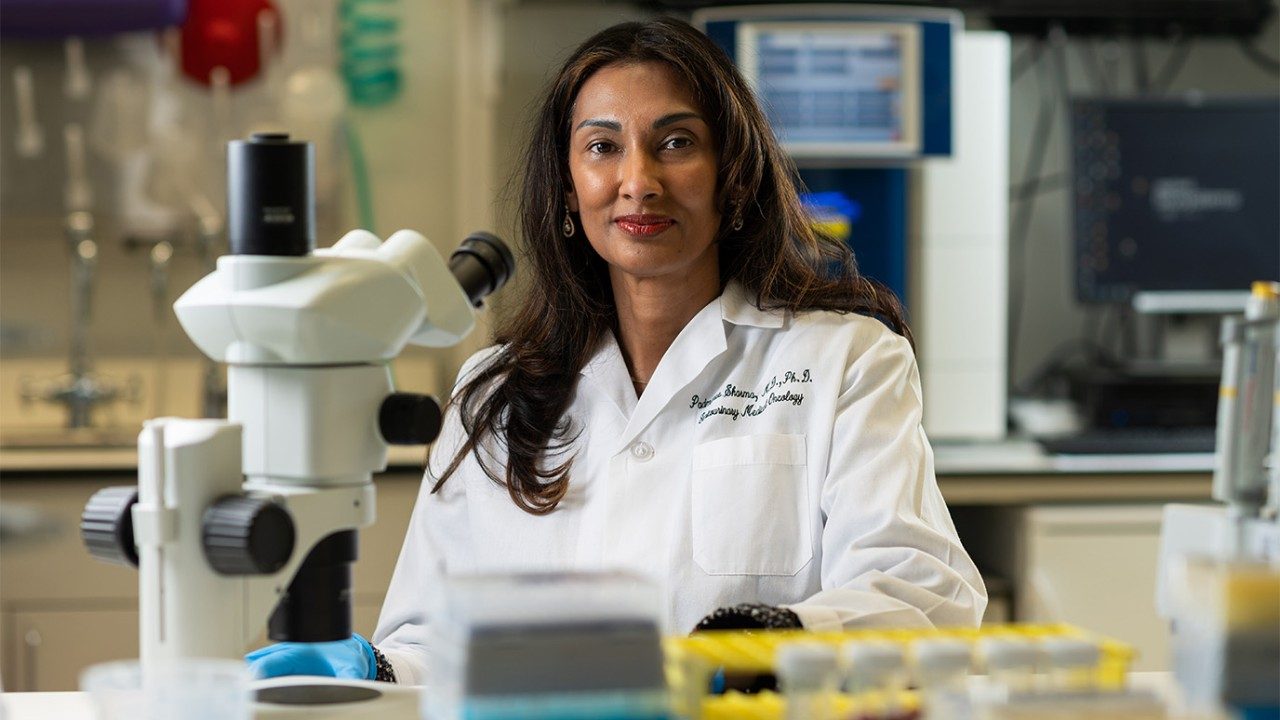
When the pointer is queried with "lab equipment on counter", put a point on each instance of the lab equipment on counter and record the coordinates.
(906, 113)
(939, 662)
(253, 519)
(1218, 582)
(547, 646)
(1172, 214)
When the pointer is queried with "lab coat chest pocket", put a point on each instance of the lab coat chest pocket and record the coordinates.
(750, 506)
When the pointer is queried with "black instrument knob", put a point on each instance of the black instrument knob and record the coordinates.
(247, 536)
(409, 419)
(106, 525)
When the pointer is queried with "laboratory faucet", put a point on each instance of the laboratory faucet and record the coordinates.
(80, 390)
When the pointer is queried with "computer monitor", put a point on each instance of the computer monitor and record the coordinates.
(837, 89)
(1174, 195)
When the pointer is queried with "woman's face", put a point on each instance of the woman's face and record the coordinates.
(642, 160)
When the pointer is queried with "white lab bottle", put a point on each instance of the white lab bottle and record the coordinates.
(942, 673)
(807, 676)
(875, 667)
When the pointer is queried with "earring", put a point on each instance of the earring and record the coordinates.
(567, 229)
(736, 224)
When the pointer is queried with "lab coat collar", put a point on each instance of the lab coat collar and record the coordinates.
(702, 340)
(739, 307)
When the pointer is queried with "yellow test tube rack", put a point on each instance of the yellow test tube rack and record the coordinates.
(692, 659)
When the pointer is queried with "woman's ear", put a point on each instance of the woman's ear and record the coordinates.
(571, 201)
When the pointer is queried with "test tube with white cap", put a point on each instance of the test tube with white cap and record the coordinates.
(1071, 663)
(873, 665)
(1010, 661)
(876, 665)
(942, 672)
(807, 673)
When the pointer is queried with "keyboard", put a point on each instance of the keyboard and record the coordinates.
(1133, 441)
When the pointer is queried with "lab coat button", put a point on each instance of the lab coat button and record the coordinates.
(642, 451)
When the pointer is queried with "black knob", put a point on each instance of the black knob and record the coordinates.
(409, 419)
(106, 526)
(247, 536)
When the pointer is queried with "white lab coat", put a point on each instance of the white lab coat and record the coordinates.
(773, 458)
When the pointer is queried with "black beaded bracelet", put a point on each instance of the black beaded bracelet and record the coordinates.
(385, 672)
(749, 616)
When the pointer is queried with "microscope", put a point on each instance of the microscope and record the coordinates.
(250, 520)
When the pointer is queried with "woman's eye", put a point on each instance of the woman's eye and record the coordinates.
(600, 147)
(678, 143)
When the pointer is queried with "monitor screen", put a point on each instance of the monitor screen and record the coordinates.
(836, 89)
(1175, 195)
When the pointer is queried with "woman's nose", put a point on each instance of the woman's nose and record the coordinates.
(640, 179)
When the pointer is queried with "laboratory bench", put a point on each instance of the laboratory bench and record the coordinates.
(1009, 472)
(1053, 533)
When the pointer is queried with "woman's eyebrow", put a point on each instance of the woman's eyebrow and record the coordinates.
(617, 126)
(606, 124)
(674, 118)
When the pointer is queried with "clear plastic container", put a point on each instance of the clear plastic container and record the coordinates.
(547, 645)
(807, 674)
(195, 689)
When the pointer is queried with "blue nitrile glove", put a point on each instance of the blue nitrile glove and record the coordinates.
(351, 658)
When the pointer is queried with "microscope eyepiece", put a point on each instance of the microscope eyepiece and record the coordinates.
(482, 265)
(271, 206)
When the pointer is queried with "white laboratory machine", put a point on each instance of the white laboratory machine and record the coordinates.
(252, 520)
(1219, 571)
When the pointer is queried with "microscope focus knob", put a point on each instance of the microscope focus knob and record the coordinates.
(247, 536)
(106, 525)
(409, 419)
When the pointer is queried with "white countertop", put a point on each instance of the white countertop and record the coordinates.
(1017, 456)
(397, 703)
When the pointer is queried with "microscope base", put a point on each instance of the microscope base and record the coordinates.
(394, 702)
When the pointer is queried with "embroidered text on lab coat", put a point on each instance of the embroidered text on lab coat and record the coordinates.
(755, 402)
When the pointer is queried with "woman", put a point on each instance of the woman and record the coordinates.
(695, 386)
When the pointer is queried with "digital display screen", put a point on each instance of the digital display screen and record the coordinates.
(1174, 194)
(836, 89)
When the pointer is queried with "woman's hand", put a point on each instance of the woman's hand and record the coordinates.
(352, 658)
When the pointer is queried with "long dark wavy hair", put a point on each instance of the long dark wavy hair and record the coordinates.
(518, 398)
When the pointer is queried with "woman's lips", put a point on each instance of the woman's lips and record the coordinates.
(643, 225)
